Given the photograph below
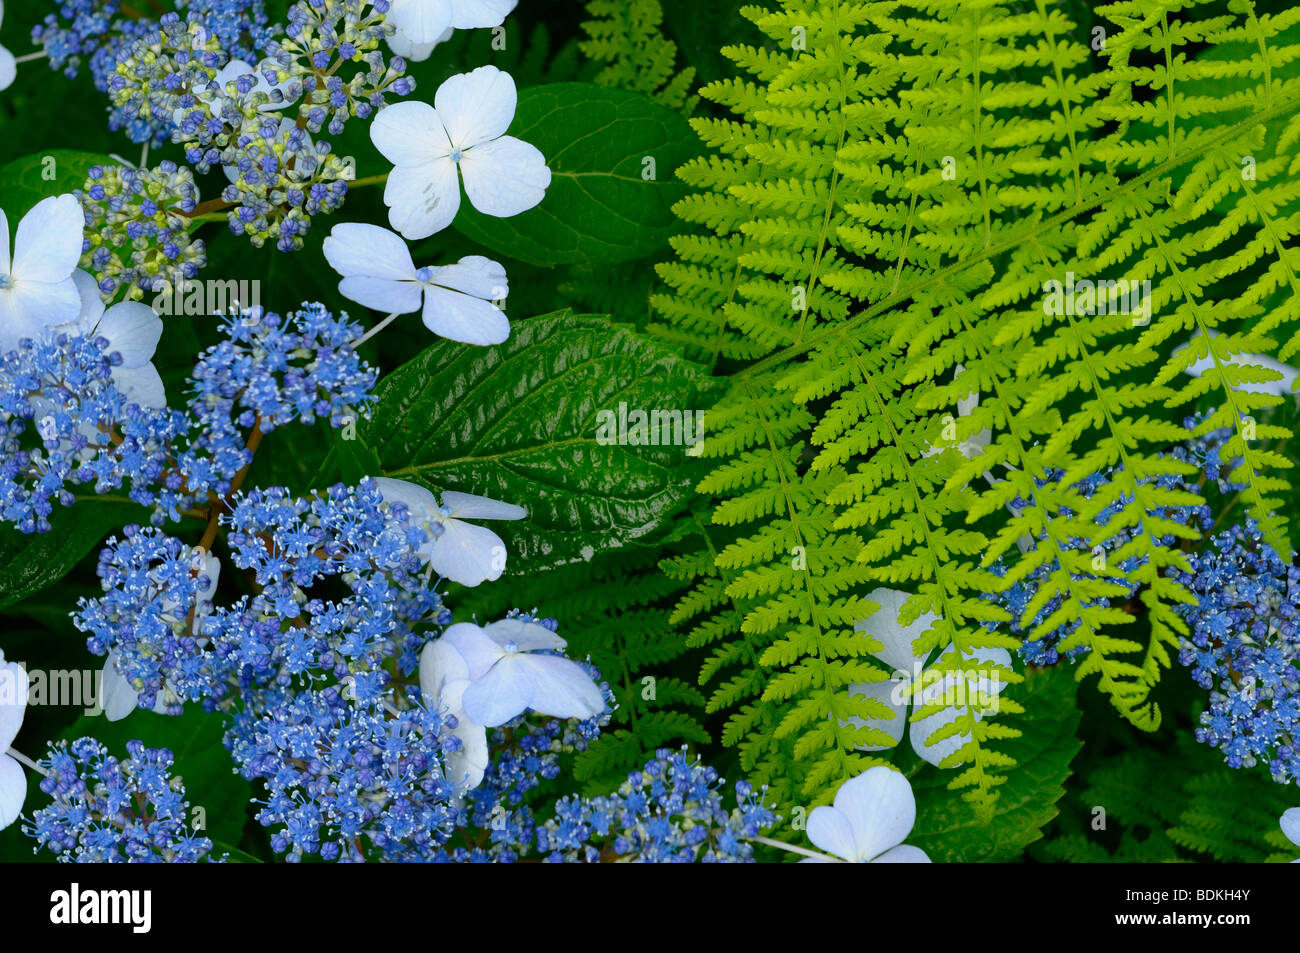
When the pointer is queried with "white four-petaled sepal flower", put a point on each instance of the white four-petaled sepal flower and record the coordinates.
(1291, 827)
(871, 817)
(462, 135)
(13, 705)
(36, 286)
(444, 676)
(132, 330)
(425, 21)
(457, 550)
(511, 672)
(455, 301)
(408, 49)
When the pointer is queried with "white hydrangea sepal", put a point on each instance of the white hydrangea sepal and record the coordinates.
(870, 818)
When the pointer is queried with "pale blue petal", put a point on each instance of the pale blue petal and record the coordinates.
(880, 808)
(500, 695)
(829, 830)
(561, 688)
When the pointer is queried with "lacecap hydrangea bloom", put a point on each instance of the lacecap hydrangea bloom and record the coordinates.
(1243, 647)
(107, 810)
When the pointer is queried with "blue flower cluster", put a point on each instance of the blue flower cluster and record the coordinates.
(171, 57)
(197, 80)
(1244, 647)
(361, 556)
(345, 540)
(137, 234)
(60, 415)
(322, 32)
(143, 64)
(93, 31)
(240, 26)
(268, 371)
(316, 674)
(320, 656)
(1181, 510)
(153, 585)
(345, 779)
(106, 810)
(668, 812)
(64, 423)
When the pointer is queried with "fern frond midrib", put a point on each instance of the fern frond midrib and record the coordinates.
(967, 717)
(792, 512)
(829, 214)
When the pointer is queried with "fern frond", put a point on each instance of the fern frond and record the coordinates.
(625, 36)
(893, 205)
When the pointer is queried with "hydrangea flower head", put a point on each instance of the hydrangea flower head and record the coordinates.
(107, 810)
(156, 591)
(1243, 647)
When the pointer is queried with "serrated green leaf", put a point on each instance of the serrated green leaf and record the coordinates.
(518, 422)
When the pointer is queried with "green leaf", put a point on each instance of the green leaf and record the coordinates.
(27, 180)
(200, 759)
(518, 422)
(946, 827)
(31, 561)
(349, 460)
(599, 207)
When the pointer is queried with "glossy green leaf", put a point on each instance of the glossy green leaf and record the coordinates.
(613, 157)
(518, 422)
(27, 180)
(31, 561)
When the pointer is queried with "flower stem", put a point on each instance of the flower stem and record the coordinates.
(795, 850)
(369, 180)
(373, 331)
(19, 756)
